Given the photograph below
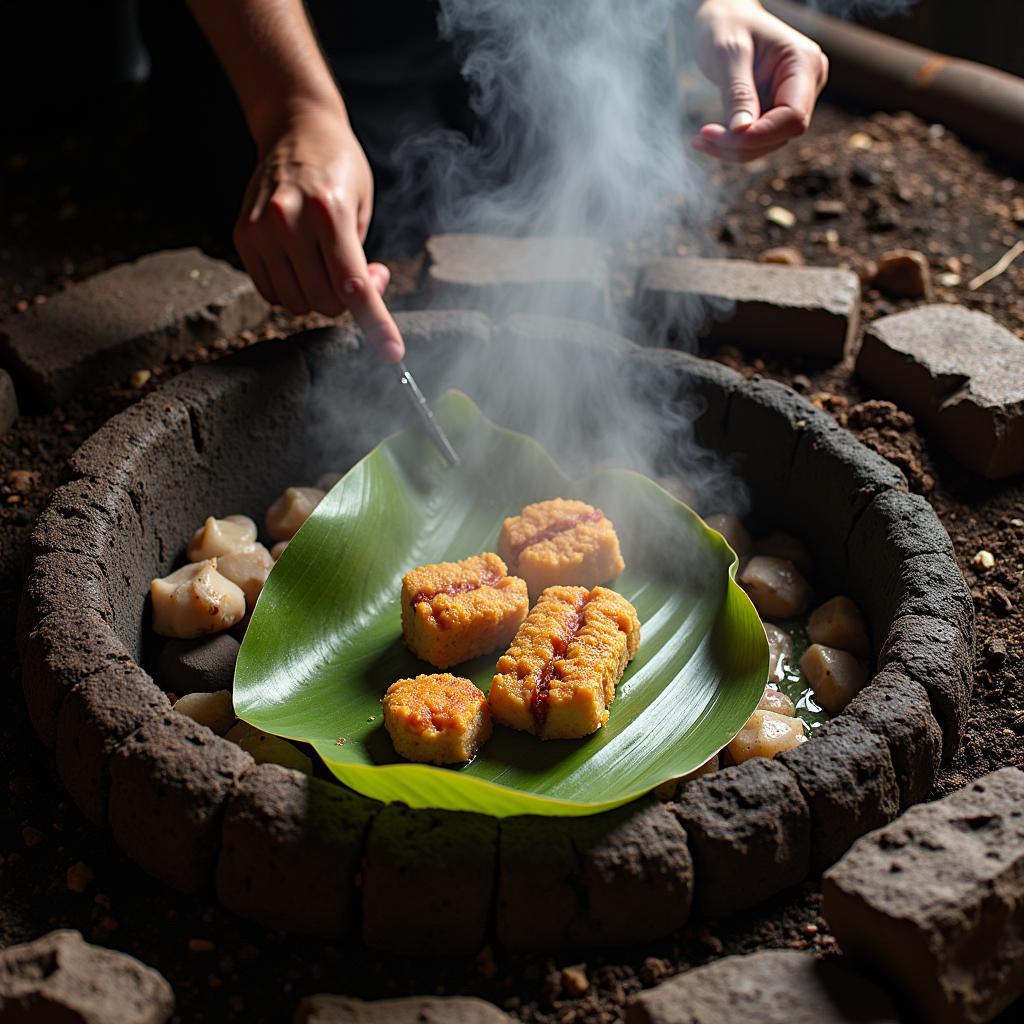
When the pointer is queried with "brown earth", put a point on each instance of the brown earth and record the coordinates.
(909, 185)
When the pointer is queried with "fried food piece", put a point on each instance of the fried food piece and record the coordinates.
(455, 611)
(561, 543)
(438, 718)
(558, 678)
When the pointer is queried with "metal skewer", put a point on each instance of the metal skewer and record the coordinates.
(437, 435)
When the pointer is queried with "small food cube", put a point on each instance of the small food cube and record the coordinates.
(214, 710)
(247, 569)
(777, 701)
(561, 543)
(785, 545)
(221, 537)
(195, 600)
(780, 652)
(266, 748)
(455, 611)
(839, 623)
(734, 532)
(765, 735)
(440, 718)
(836, 677)
(558, 678)
(291, 510)
(776, 587)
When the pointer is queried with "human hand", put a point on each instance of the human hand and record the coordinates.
(750, 54)
(303, 221)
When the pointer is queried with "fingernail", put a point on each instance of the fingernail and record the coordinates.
(392, 351)
(742, 119)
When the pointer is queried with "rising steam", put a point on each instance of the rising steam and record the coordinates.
(581, 136)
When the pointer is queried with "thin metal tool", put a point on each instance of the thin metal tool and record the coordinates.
(437, 435)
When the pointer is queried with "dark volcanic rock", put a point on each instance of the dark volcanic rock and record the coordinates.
(96, 716)
(127, 318)
(291, 849)
(327, 1009)
(772, 987)
(170, 781)
(934, 900)
(846, 776)
(198, 666)
(440, 862)
(61, 652)
(961, 373)
(621, 877)
(59, 978)
(813, 310)
(897, 708)
(8, 402)
(749, 829)
(934, 653)
(560, 275)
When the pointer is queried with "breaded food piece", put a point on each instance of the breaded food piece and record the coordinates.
(561, 543)
(455, 611)
(558, 678)
(440, 718)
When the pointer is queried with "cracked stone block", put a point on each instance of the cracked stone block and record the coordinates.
(170, 782)
(764, 306)
(622, 877)
(329, 1009)
(61, 978)
(127, 318)
(442, 863)
(961, 374)
(934, 901)
(772, 987)
(749, 829)
(556, 275)
(291, 850)
(8, 402)
(896, 708)
(846, 776)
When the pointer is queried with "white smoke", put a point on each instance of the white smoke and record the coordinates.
(582, 136)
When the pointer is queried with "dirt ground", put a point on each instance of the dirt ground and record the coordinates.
(894, 182)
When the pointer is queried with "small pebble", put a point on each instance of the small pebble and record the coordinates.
(903, 273)
(574, 980)
(22, 480)
(79, 877)
(31, 836)
(984, 560)
(860, 140)
(826, 209)
(140, 378)
(785, 255)
(781, 216)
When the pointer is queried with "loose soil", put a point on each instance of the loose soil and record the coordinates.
(894, 182)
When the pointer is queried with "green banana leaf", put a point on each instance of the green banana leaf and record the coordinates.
(325, 638)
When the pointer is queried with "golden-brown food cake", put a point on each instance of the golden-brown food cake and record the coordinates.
(561, 543)
(438, 718)
(558, 678)
(455, 611)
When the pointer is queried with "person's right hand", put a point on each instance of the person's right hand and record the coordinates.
(303, 221)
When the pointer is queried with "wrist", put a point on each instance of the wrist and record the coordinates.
(270, 120)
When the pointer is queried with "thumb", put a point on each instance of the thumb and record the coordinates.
(739, 92)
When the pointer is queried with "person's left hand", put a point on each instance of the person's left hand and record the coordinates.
(749, 54)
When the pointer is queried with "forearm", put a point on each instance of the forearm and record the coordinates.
(271, 56)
